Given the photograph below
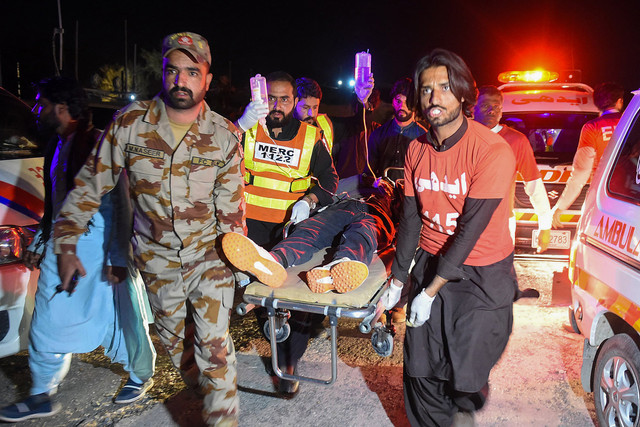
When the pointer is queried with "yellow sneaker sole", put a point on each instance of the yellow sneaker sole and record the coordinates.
(319, 281)
(245, 256)
(349, 275)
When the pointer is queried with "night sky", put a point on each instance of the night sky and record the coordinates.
(319, 39)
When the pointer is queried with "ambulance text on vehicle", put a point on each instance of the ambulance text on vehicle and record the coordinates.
(604, 271)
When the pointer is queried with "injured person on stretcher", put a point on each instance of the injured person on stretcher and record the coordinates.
(355, 227)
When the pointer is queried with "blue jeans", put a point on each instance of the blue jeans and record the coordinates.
(347, 222)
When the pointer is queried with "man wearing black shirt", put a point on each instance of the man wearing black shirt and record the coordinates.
(388, 143)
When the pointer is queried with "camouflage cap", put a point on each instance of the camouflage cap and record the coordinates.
(191, 43)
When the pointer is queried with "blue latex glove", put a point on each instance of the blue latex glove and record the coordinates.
(300, 211)
(255, 111)
(420, 309)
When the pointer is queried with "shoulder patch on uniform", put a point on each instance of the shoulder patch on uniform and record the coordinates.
(144, 151)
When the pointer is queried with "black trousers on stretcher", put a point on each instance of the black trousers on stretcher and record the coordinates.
(448, 359)
(348, 222)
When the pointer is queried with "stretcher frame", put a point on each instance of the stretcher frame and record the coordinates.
(368, 308)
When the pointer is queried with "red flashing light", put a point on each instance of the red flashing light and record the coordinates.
(530, 76)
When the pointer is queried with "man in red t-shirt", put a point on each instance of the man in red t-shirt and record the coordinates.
(594, 137)
(488, 111)
(455, 213)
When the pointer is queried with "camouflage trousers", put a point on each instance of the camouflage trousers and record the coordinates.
(191, 307)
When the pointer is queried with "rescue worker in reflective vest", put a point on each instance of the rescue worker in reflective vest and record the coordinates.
(307, 109)
(289, 173)
(594, 137)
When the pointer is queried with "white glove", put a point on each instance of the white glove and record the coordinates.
(300, 211)
(363, 91)
(255, 111)
(420, 309)
(392, 295)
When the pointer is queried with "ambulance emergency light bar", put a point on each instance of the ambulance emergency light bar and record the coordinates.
(530, 76)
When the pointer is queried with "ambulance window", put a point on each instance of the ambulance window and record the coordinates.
(624, 182)
(549, 132)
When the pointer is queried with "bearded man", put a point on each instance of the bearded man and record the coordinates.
(388, 143)
(455, 227)
(184, 165)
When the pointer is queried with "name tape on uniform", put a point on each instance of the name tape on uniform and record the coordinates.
(274, 153)
(144, 151)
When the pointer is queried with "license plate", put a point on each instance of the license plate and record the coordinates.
(559, 239)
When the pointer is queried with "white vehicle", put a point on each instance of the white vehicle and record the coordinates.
(21, 207)
(604, 271)
(550, 114)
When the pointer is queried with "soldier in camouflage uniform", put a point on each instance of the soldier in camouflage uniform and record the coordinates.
(184, 163)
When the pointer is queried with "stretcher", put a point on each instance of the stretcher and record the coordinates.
(361, 303)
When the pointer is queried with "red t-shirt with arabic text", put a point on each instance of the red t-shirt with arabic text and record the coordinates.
(481, 165)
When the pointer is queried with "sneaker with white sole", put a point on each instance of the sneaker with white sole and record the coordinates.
(348, 274)
(36, 406)
(249, 257)
(319, 280)
(342, 275)
(133, 391)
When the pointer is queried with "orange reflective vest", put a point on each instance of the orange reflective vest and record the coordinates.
(277, 172)
(325, 124)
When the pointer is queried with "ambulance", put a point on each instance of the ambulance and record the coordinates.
(604, 270)
(21, 208)
(549, 108)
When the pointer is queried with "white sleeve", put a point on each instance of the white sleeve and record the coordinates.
(582, 166)
(540, 201)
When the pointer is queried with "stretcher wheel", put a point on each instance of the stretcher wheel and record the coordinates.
(382, 342)
(281, 334)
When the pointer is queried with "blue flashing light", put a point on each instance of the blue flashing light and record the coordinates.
(352, 83)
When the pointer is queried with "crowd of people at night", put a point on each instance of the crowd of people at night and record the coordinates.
(177, 199)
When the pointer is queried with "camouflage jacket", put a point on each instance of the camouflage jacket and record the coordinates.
(185, 193)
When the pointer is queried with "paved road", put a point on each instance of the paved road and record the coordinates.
(536, 383)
